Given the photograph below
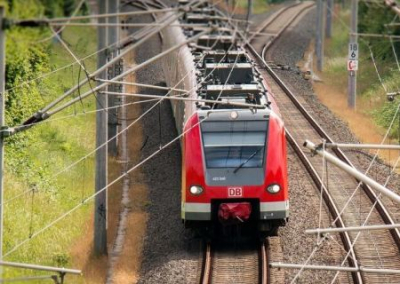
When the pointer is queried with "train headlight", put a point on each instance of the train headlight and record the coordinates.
(196, 190)
(273, 188)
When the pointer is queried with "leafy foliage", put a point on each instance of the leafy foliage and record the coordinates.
(373, 19)
(34, 158)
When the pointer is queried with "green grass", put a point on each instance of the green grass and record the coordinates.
(259, 6)
(369, 87)
(51, 147)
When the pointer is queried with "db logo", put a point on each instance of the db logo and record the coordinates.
(235, 192)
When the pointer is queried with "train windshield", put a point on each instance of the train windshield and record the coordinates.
(234, 144)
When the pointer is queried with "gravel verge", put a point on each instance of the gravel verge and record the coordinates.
(288, 51)
(170, 253)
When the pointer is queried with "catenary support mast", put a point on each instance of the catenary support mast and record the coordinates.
(319, 40)
(100, 213)
(113, 33)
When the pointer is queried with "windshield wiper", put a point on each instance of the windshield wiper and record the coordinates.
(245, 162)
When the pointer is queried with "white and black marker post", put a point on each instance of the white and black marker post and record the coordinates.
(352, 62)
(100, 208)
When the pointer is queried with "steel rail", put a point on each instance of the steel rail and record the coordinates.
(383, 212)
(264, 275)
(334, 211)
(206, 268)
(285, 27)
(380, 207)
(270, 20)
(209, 256)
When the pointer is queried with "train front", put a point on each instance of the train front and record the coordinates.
(234, 170)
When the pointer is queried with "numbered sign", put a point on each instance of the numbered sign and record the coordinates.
(353, 51)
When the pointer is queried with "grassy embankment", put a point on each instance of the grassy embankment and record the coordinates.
(34, 159)
(259, 6)
(373, 113)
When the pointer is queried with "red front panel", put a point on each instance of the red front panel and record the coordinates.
(193, 167)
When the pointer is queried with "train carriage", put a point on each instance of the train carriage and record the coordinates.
(234, 168)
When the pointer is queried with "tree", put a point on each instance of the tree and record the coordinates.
(68, 7)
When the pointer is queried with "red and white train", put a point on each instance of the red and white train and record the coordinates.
(234, 165)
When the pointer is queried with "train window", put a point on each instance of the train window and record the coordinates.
(220, 139)
(232, 144)
(234, 156)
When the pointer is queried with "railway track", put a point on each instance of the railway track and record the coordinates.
(379, 249)
(248, 264)
(274, 26)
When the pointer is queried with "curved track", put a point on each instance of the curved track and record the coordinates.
(378, 249)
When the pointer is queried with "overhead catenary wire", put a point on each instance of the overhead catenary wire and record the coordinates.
(118, 44)
(384, 138)
(124, 74)
(79, 114)
(395, 53)
(63, 27)
(119, 133)
(109, 15)
(376, 69)
(50, 224)
(76, 115)
(68, 50)
(142, 85)
(365, 222)
(221, 102)
(37, 116)
(353, 194)
(132, 25)
(109, 184)
(41, 114)
(57, 220)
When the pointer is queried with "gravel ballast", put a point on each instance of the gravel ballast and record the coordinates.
(172, 254)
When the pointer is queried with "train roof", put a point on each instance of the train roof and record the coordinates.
(225, 72)
(235, 114)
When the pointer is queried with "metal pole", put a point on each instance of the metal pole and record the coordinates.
(40, 267)
(352, 77)
(334, 268)
(113, 6)
(144, 85)
(352, 229)
(362, 146)
(352, 171)
(2, 121)
(100, 213)
(328, 27)
(125, 73)
(319, 35)
(249, 12)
